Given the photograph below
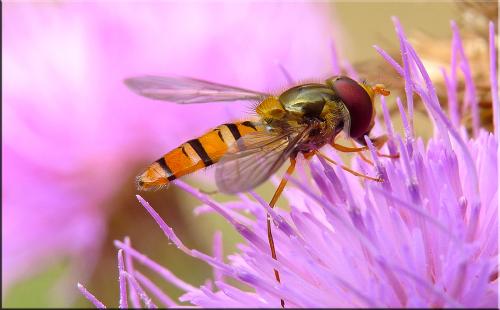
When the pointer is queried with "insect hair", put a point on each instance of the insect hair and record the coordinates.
(252, 107)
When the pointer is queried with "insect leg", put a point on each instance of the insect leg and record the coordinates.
(358, 174)
(347, 149)
(388, 155)
(380, 89)
(283, 182)
(379, 142)
(275, 198)
(363, 157)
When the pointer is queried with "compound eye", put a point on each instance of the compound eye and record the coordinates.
(357, 101)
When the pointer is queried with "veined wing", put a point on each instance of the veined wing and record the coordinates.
(188, 90)
(255, 157)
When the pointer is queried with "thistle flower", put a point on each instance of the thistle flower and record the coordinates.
(425, 237)
(73, 134)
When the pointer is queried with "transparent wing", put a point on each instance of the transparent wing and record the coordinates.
(255, 157)
(188, 90)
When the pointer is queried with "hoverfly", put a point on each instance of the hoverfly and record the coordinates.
(302, 119)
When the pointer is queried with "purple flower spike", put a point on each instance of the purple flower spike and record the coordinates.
(129, 266)
(148, 303)
(167, 230)
(206, 200)
(165, 273)
(407, 73)
(390, 60)
(121, 280)
(388, 125)
(98, 304)
(218, 254)
(167, 301)
(406, 126)
(425, 237)
(470, 88)
(494, 79)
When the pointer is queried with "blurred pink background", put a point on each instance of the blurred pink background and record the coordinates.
(74, 136)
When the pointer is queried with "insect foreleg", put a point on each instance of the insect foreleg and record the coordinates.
(358, 174)
(378, 143)
(347, 149)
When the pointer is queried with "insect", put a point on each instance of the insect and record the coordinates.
(302, 119)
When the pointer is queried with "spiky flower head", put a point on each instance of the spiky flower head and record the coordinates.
(424, 237)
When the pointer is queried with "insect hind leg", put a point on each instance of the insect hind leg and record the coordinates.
(272, 203)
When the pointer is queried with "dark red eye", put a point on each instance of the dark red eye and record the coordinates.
(357, 101)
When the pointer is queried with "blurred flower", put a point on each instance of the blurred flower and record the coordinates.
(473, 22)
(73, 134)
(425, 237)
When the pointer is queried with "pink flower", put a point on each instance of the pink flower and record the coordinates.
(425, 237)
(73, 134)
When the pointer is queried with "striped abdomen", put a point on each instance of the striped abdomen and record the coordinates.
(193, 155)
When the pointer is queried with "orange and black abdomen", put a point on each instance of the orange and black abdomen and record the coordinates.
(193, 155)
